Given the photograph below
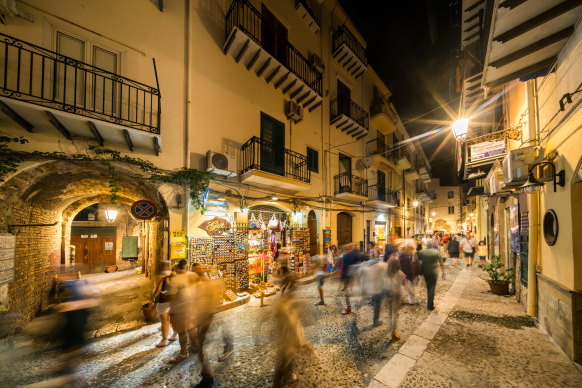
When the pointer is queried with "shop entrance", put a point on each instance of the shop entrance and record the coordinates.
(312, 225)
(344, 229)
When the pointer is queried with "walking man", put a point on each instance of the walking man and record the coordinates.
(430, 258)
(468, 245)
(453, 249)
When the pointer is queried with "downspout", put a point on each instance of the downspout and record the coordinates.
(187, 116)
(533, 206)
(404, 203)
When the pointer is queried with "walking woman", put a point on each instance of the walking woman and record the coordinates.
(160, 296)
(395, 279)
(410, 266)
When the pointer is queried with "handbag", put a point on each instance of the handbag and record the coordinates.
(273, 222)
(253, 221)
(164, 295)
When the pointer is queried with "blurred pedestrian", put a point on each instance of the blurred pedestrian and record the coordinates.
(180, 295)
(468, 245)
(290, 336)
(160, 297)
(395, 279)
(372, 251)
(453, 249)
(321, 264)
(350, 258)
(430, 259)
(410, 266)
(205, 295)
(391, 248)
(482, 252)
(372, 284)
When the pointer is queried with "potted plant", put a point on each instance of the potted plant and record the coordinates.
(499, 278)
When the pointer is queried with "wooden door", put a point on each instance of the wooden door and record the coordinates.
(94, 251)
(272, 145)
(344, 229)
(312, 225)
(274, 36)
(343, 99)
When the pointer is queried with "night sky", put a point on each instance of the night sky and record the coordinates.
(410, 45)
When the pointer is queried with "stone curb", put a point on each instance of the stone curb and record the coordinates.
(230, 305)
(396, 369)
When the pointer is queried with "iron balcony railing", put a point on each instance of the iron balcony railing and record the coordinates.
(375, 147)
(348, 183)
(43, 77)
(343, 35)
(259, 154)
(385, 195)
(346, 107)
(246, 17)
(381, 106)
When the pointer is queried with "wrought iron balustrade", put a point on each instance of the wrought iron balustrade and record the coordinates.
(247, 18)
(376, 193)
(375, 147)
(43, 77)
(348, 183)
(343, 35)
(262, 155)
(350, 109)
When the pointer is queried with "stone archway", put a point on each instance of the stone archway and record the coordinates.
(42, 202)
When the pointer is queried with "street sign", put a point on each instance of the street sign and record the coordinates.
(143, 209)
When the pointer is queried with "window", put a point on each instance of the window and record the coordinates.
(451, 194)
(91, 91)
(451, 210)
(312, 160)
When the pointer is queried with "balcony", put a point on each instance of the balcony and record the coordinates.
(41, 89)
(287, 69)
(379, 152)
(382, 197)
(307, 15)
(413, 173)
(266, 165)
(382, 116)
(350, 188)
(400, 158)
(349, 117)
(349, 52)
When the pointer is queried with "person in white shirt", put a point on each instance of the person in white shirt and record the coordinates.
(468, 245)
(395, 279)
(373, 279)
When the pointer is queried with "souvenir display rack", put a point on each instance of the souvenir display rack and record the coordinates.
(258, 253)
(201, 250)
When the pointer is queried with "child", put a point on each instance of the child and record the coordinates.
(482, 251)
(321, 264)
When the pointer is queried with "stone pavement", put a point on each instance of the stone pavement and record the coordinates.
(348, 350)
(475, 338)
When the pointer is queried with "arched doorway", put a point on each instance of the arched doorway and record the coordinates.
(344, 229)
(312, 225)
(98, 242)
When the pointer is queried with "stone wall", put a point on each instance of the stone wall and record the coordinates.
(560, 314)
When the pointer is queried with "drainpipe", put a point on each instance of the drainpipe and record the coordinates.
(187, 115)
(404, 203)
(533, 206)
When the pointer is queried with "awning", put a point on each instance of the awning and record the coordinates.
(526, 37)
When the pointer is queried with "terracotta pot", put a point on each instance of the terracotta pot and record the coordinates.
(501, 288)
(111, 268)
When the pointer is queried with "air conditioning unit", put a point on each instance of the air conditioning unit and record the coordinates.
(294, 111)
(515, 166)
(221, 164)
(315, 60)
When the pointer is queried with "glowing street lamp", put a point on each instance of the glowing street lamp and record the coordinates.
(110, 215)
(433, 214)
(415, 203)
(460, 129)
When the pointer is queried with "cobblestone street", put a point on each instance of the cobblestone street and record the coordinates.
(485, 341)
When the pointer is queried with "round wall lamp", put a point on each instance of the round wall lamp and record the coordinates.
(550, 227)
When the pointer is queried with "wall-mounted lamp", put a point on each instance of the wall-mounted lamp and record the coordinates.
(110, 215)
(415, 203)
(433, 214)
(534, 184)
(460, 128)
